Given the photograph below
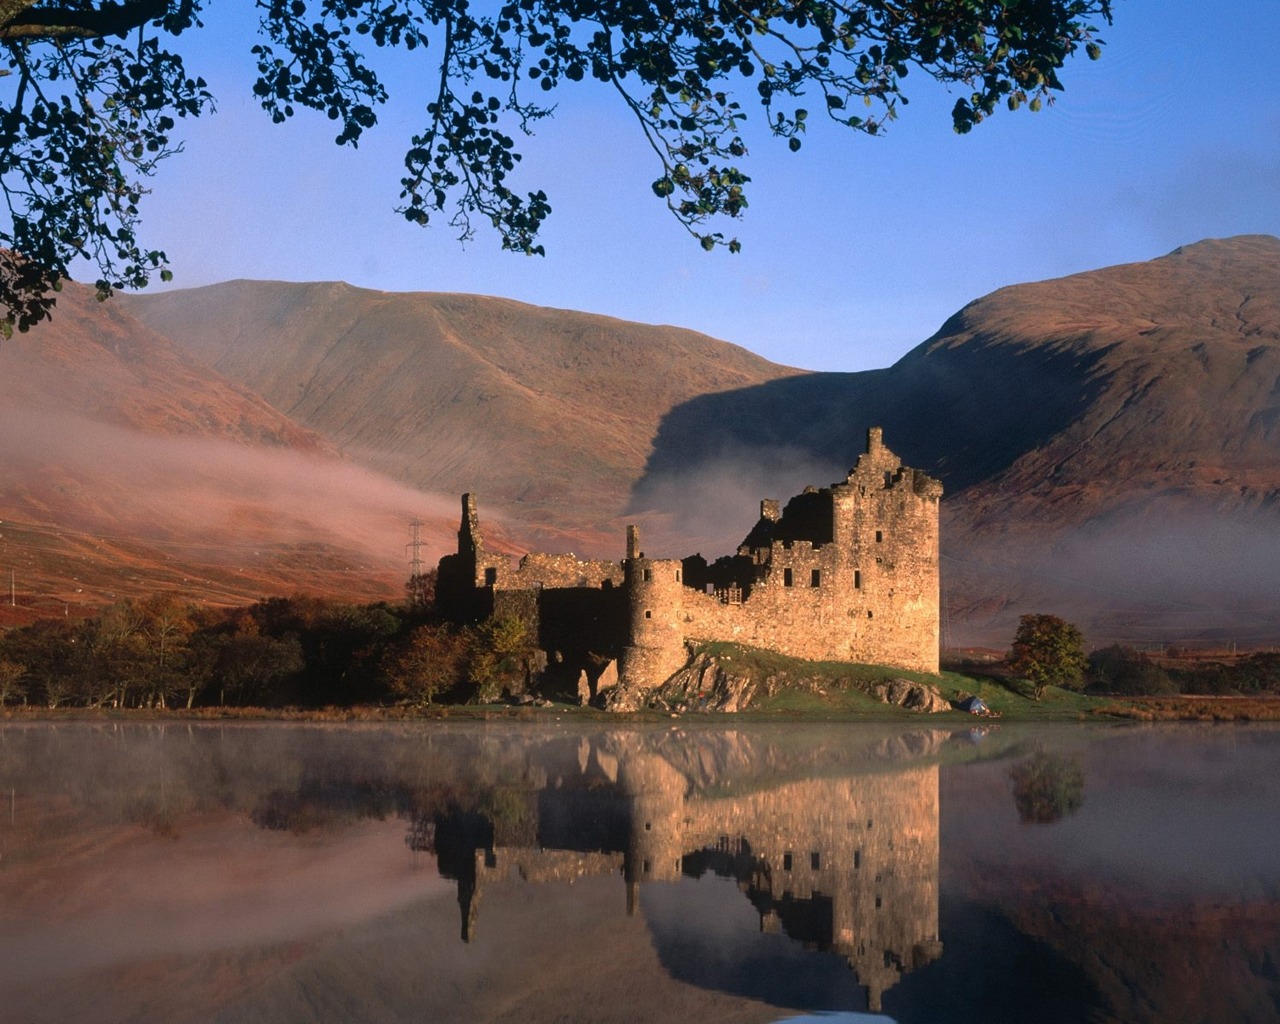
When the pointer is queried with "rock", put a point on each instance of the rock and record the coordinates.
(923, 697)
(584, 689)
(705, 684)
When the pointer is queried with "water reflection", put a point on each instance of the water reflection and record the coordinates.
(843, 865)
(261, 873)
(1047, 787)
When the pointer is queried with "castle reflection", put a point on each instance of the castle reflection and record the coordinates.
(845, 864)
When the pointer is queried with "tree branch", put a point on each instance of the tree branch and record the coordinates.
(23, 20)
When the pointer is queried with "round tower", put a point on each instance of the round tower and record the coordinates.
(655, 604)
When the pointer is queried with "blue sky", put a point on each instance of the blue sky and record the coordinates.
(855, 249)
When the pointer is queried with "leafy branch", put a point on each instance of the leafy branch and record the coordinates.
(85, 118)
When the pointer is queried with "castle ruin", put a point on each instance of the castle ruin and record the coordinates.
(841, 573)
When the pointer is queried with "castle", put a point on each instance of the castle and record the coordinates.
(842, 573)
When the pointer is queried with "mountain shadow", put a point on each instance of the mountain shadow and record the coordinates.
(962, 412)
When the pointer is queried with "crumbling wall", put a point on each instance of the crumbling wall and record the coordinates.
(537, 570)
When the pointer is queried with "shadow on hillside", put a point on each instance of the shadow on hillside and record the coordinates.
(963, 413)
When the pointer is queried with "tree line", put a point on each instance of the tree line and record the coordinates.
(310, 652)
(1049, 651)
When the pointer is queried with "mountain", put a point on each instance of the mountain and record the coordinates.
(130, 466)
(548, 414)
(1108, 442)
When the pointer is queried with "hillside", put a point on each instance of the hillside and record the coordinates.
(547, 414)
(130, 466)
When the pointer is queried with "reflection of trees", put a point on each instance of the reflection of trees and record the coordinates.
(1047, 787)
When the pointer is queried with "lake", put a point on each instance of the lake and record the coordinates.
(567, 871)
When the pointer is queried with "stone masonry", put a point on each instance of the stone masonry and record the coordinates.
(842, 573)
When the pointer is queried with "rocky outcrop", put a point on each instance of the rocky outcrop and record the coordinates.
(718, 683)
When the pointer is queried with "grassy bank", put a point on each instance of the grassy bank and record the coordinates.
(833, 689)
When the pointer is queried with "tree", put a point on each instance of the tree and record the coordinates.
(1123, 670)
(432, 659)
(420, 592)
(501, 657)
(250, 667)
(92, 96)
(11, 687)
(1048, 651)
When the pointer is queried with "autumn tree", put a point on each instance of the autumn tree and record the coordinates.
(420, 592)
(431, 660)
(342, 644)
(249, 667)
(119, 654)
(1048, 651)
(12, 687)
(93, 89)
(1124, 670)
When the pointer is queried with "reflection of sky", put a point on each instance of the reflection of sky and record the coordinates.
(707, 933)
(224, 887)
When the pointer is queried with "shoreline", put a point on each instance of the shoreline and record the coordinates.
(1182, 708)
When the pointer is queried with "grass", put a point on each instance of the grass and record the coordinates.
(839, 689)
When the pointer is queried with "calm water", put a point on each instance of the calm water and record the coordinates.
(507, 873)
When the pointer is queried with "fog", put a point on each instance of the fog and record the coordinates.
(710, 507)
(208, 500)
(1155, 576)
